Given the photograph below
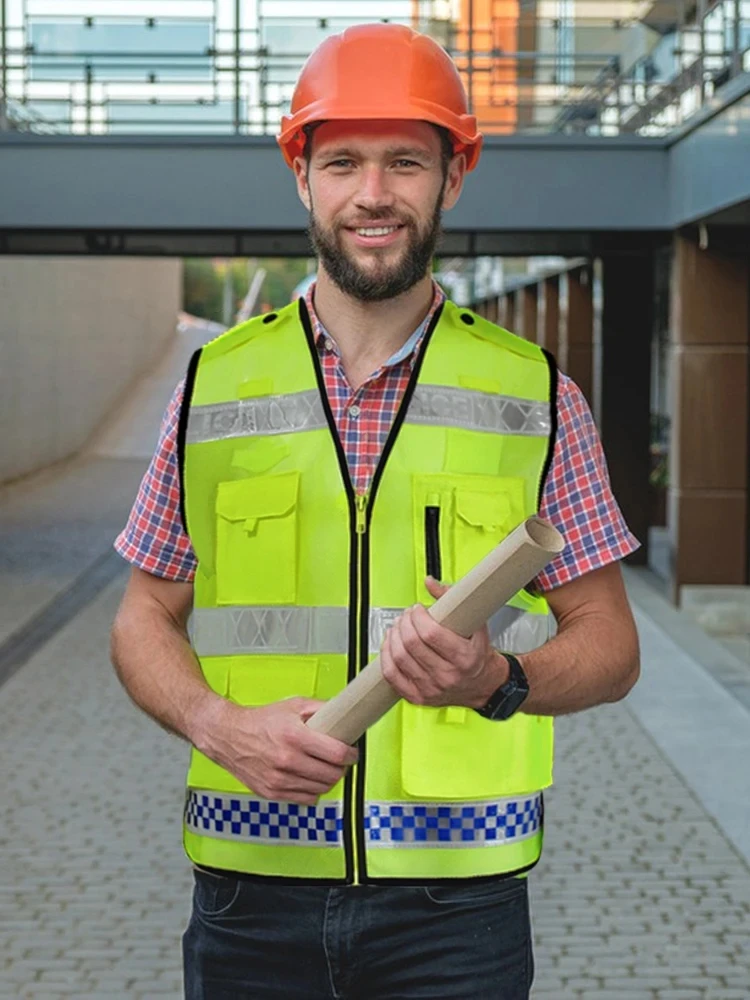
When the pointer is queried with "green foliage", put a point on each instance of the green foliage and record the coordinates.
(202, 289)
(204, 283)
(659, 477)
(282, 277)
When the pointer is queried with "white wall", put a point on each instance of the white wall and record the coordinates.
(75, 333)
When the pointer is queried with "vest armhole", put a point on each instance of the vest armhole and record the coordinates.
(553, 379)
(182, 430)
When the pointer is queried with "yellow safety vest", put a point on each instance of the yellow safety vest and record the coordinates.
(298, 580)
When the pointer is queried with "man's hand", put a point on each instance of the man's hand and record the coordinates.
(273, 752)
(427, 664)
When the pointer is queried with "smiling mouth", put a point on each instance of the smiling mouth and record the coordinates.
(376, 230)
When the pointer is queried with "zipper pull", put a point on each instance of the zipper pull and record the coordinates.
(361, 522)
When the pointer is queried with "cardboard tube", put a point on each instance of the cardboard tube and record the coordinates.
(463, 609)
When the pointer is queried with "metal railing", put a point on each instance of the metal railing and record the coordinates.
(219, 66)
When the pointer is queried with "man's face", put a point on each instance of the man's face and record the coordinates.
(375, 192)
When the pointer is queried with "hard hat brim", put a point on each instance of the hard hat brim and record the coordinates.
(463, 128)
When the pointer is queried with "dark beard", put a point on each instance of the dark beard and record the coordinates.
(365, 287)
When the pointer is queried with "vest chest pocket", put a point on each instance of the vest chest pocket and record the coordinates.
(256, 540)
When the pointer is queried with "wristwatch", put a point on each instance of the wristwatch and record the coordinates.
(509, 697)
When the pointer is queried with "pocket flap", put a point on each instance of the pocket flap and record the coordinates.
(250, 499)
(483, 510)
(266, 679)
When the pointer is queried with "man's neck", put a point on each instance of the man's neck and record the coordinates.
(368, 333)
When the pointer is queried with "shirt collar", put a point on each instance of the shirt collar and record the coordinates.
(407, 350)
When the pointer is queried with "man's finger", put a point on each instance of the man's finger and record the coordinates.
(429, 663)
(402, 657)
(434, 587)
(446, 644)
(326, 748)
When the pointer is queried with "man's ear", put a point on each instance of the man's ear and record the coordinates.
(301, 168)
(454, 181)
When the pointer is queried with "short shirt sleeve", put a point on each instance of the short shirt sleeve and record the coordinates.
(578, 497)
(154, 539)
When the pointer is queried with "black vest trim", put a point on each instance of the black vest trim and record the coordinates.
(553, 382)
(182, 430)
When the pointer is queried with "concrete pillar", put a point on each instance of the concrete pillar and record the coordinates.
(622, 406)
(526, 312)
(548, 319)
(708, 475)
(576, 328)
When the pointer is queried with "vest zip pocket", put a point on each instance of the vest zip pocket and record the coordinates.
(432, 542)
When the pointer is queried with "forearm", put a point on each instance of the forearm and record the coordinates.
(157, 667)
(592, 660)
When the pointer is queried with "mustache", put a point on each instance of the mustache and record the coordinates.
(390, 217)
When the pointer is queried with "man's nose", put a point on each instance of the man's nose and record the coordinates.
(374, 192)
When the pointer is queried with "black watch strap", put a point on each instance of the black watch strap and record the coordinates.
(508, 698)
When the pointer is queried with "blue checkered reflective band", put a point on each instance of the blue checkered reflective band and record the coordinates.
(258, 821)
(446, 824)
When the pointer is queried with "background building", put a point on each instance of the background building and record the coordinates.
(636, 274)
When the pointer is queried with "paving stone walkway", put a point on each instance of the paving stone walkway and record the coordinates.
(639, 894)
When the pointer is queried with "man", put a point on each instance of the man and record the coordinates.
(318, 472)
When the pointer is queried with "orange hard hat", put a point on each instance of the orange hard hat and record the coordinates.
(380, 71)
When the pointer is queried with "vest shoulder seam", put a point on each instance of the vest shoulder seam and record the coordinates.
(498, 335)
(238, 336)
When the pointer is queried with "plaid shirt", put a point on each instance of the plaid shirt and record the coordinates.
(577, 497)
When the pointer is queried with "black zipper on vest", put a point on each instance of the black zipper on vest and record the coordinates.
(364, 625)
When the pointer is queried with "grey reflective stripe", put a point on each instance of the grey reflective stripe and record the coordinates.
(233, 816)
(453, 824)
(275, 629)
(518, 631)
(231, 631)
(440, 406)
(510, 628)
(443, 406)
(297, 411)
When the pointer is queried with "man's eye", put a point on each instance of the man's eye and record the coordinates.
(340, 163)
(406, 163)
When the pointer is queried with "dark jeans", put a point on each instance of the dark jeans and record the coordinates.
(250, 941)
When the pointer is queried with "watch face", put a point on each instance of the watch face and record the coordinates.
(508, 698)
